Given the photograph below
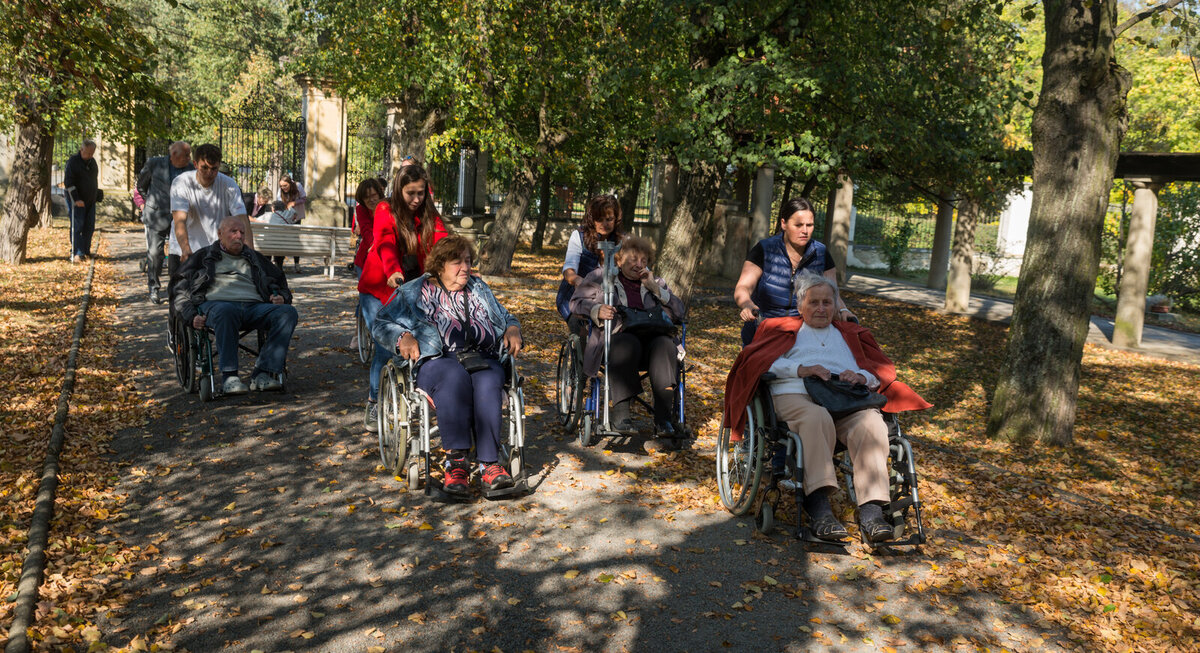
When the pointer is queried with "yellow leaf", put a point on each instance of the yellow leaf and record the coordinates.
(890, 619)
(514, 601)
(604, 578)
(770, 581)
(425, 526)
(571, 574)
(376, 649)
(231, 506)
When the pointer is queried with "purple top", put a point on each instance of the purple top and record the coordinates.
(633, 292)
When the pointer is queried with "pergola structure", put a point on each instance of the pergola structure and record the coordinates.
(1148, 172)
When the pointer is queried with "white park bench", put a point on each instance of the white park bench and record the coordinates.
(309, 241)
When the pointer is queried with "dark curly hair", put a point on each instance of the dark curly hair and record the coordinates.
(595, 210)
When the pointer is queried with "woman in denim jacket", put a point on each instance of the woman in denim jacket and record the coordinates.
(449, 323)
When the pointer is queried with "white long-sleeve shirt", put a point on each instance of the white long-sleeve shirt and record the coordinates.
(825, 347)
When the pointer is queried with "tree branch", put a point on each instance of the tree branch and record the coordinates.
(1144, 14)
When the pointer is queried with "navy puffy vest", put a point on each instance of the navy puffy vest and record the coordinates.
(775, 295)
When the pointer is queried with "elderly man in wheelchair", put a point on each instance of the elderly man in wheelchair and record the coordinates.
(231, 289)
(801, 359)
(449, 327)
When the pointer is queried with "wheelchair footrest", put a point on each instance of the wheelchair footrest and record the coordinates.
(519, 487)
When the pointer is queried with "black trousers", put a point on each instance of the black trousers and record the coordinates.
(628, 353)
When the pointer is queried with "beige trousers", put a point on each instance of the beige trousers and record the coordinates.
(863, 433)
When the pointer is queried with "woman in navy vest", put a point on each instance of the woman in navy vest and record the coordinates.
(601, 221)
(765, 288)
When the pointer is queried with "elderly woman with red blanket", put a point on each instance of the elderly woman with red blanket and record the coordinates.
(792, 348)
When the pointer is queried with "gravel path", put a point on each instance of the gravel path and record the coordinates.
(273, 530)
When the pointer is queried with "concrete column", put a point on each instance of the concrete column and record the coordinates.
(324, 154)
(482, 160)
(839, 236)
(395, 123)
(1135, 274)
(760, 212)
(939, 258)
(8, 152)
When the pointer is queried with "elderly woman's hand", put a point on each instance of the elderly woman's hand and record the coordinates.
(813, 370)
(513, 340)
(648, 282)
(396, 280)
(407, 347)
(606, 312)
(852, 377)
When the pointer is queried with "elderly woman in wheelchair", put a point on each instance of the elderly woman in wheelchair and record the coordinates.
(637, 322)
(453, 333)
(797, 357)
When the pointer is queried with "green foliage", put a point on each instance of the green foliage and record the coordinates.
(1175, 261)
(79, 63)
(896, 238)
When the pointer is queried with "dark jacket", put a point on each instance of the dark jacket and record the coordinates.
(154, 183)
(193, 278)
(84, 176)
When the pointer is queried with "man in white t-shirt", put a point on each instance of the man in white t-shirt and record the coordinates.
(200, 200)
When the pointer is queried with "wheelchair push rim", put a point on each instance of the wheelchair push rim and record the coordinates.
(363, 337)
(394, 422)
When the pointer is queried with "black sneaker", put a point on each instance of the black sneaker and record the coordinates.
(621, 420)
(458, 478)
(154, 298)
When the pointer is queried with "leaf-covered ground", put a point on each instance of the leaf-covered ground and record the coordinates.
(1093, 547)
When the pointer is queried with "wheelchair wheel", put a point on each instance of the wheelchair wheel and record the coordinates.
(414, 474)
(185, 363)
(207, 390)
(363, 336)
(764, 522)
(586, 437)
(394, 423)
(740, 464)
(569, 385)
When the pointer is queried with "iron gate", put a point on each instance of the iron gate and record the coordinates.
(368, 154)
(259, 144)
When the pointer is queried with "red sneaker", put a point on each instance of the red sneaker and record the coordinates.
(458, 478)
(495, 477)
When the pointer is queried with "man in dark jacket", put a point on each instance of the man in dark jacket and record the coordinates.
(81, 179)
(228, 287)
(154, 183)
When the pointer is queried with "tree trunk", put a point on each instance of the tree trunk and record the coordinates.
(962, 258)
(667, 198)
(506, 230)
(838, 221)
(692, 228)
(940, 254)
(30, 168)
(629, 192)
(412, 123)
(539, 232)
(1077, 129)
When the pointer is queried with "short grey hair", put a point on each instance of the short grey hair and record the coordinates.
(88, 143)
(806, 281)
(179, 145)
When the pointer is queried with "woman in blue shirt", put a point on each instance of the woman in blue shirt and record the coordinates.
(765, 287)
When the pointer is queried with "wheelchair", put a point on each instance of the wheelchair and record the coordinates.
(362, 336)
(192, 350)
(407, 426)
(588, 399)
(741, 466)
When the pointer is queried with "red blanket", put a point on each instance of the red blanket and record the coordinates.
(776, 335)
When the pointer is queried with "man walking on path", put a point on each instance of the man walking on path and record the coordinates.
(154, 183)
(81, 179)
(200, 200)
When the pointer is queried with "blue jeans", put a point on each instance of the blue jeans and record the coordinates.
(468, 399)
(226, 319)
(369, 305)
(83, 224)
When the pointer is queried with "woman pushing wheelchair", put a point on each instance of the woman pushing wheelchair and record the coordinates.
(449, 323)
(791, 354)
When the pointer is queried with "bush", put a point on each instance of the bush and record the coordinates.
(896, 237)
(988, 269)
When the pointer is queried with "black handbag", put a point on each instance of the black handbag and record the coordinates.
(841, 398)
(651, 321)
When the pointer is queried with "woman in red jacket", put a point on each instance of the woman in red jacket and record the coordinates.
(405, 228)
(366, 198)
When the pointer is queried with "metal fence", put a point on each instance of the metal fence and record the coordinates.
(259, 144)
(65, 146)
(368, 154)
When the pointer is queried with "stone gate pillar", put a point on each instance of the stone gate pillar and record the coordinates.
(760, 214)
(324, 153)
(1135, 275)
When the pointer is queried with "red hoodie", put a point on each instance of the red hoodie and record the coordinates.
(383, 260)
(776, 335)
